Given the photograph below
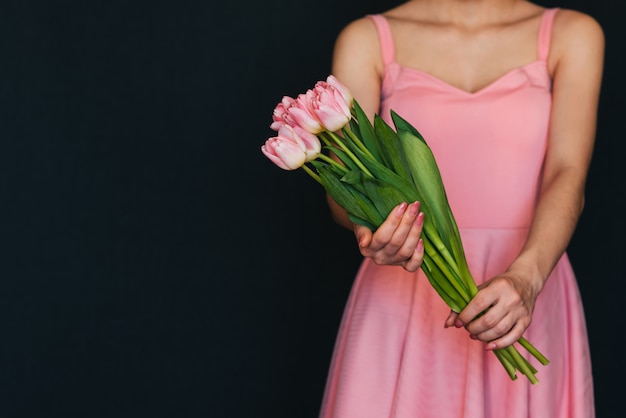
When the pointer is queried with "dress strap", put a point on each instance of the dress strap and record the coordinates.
(545, 33)
(385, 38)
(388, 48)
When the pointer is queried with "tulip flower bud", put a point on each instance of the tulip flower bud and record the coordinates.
(284, 152)
(309, 142)
(345, 93)
(302, 113)
(330, 107)
(281, 114)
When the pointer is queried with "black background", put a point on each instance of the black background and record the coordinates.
(153, 262)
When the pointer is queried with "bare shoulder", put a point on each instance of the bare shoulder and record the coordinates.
(361, 31)
(357, 62)
(575, 30)
(359, 42)
(572, 22)
(577, 41)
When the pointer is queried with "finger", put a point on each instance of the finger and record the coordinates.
(507, 339)
(404, 238)
(495, 329)
(385, 231)
(409, 248)
(415, 261)
(451, 320)
(482, 301)
(491, 324)
(363, 235)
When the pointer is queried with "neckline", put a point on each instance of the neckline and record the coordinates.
(481, 90)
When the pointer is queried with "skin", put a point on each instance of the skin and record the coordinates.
(469, 44)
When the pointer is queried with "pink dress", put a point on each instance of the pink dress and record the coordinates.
(393, 357)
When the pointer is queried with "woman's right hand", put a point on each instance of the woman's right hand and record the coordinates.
(397, 241)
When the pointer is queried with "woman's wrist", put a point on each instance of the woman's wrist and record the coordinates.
(529, 272)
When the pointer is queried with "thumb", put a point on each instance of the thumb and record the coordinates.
(451, 320)
(363, 235)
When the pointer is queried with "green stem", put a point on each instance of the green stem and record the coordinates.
(332, 162)
(532, 350)
(521, 364)
(312, 174)
(436, 240)
(464, 277)
(337, 140)
(506, 362)
(324, 137)
(359, 143)
(530, 366)
(443, 287)
(430, 249)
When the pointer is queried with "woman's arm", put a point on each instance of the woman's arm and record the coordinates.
(576, 62)
(357, 63)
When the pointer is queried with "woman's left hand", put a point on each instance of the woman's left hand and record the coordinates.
(507, 301)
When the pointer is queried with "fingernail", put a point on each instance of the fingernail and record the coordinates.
(458, 323)
(420, 219)
(473, 337)
(420, 246)
(414, 208)
(491, 346)
(401, 208)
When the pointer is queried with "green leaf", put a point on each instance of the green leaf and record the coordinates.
(403, 126)
(427, 179)
(366, 130)
(366, 206)
(355, 179)
(448, 267)
(384, 174)
(363, 222)
(459, 256)
(354, 127)
(322, 165)
(391, 151)
(347, 197)
(384, 197)
(345, 159)
(441, 286)
(338, 190)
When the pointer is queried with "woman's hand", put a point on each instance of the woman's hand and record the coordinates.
(397, 241)
(507, 301)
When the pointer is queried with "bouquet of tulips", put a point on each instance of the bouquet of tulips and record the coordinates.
(380, 167)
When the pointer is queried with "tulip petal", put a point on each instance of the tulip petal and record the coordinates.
(331, 119)
(345, 92)
(284, 152)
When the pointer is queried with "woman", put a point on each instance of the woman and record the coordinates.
(505, 93)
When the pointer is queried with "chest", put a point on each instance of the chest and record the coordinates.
(468, 60)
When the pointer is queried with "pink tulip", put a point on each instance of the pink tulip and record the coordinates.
(331, 103)
(284, 152)
(325, 107)
(331, 108)
(345, 93)
(303, 114)
(281, 113)
(309, 142)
